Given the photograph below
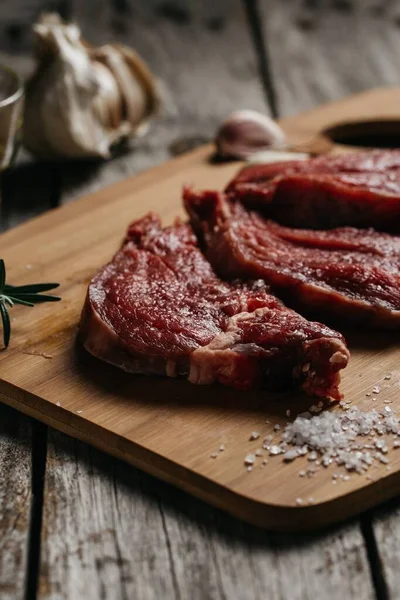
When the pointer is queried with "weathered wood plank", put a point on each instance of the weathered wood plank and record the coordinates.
(385, 530)
(15, 502)
(321, 51)
(113, 532)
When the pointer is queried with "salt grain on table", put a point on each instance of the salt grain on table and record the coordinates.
(254, 436)
(249, 460)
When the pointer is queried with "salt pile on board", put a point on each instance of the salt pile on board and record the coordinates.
(353, 438)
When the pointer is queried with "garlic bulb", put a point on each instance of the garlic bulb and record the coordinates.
(82, 100)
(246, 132)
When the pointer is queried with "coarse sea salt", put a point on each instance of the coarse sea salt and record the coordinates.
(345, 438)
(250, 460)
(290, 455)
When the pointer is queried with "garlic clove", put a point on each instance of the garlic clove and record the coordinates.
(107, 104)
(246, 132)
(145, 78)
(82, 100)
(140, 99)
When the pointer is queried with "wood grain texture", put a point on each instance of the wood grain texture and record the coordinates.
(118, 413)
(385, 527)
(15, 502)
(322, 51)
(113, 532)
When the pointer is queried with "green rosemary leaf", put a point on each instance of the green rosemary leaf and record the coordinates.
(32, 288)
(32, 298)
(6, 323)
(2, 275)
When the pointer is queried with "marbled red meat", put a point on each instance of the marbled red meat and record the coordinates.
(348, 273)
(159, 308)
(360, 189)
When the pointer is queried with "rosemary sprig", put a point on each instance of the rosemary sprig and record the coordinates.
(28, 295)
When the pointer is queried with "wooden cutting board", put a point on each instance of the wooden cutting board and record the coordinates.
(168, 427)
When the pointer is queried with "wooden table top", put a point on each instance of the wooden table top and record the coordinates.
(77, 524)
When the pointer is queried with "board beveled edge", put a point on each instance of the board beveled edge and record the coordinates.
(273, 517)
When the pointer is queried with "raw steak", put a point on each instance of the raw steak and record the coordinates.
(158, 308)
(350, 273)
(360, 189)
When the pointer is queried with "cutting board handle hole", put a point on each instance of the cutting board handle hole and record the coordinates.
(366, 134)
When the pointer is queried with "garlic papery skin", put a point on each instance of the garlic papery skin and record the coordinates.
(246, 132)
(81, 101)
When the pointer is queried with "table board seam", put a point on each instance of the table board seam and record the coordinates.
(261, 49)
(374, 558)
(39, 458)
